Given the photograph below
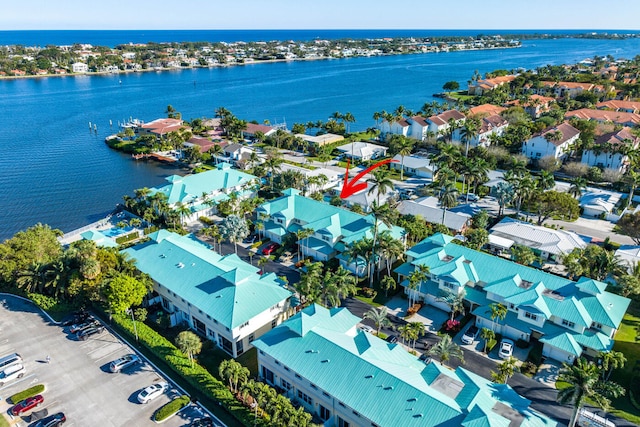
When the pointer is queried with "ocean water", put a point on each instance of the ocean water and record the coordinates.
(56, 171)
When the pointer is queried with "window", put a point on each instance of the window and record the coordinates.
(325, 414)
(568, 324)
(512, 306)
(342, 423)
(326, 238)
(267, 375)
(199, 325)
(239, 347)
(356, 414)
(251, 337)
(286, 368)
(530, 316)
(596, 325)
(298, 376)
(277, 362)
(274, 323)
(285, 384)
(449, 285)
(341, 404)
(305, 397)
(325, 394)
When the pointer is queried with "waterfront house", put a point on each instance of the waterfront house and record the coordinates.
(418, 128)
(160, 127)
(398, 127)
(363, 151)
(417, 164)
(202, 191)
(489, 125)
(485, 110)
(603, 116)
(610, 150)
(239, 155)
(547, 243)
(79, 67)
(347, 377)
(320, 140)
(481, 86)
(617, 105)
(221, 297)
(203, 144)
(573, 89)
(252, 129)
(334, 228)
(569, 318)
(555, 141)
(439, 124)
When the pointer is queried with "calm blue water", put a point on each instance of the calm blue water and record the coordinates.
(54, 170)
(116, 37)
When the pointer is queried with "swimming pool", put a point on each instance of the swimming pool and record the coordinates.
(115, 231)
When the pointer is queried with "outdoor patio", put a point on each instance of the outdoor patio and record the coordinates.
(432, 317)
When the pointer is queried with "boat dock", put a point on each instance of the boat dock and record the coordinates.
(155, 156)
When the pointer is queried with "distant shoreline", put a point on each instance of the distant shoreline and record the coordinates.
(265, 61)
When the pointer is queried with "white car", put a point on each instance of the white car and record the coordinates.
(124, 362)
(470, 336)
(11, 373)
(151, 392)
(366, 328)
(506, 349)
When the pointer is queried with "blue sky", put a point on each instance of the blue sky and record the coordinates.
(318, 14)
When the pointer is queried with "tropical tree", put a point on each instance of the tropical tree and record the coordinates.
(523, 254)
(416, 277)
(390, 249)
(469, 132)
(407, 333)
(189, 343)
(310, 284)
(496, 311)
(504, 195)
(629, 225)
(124, 291)
(233, 372)
(487, 335)
(403, 146)
(338, 286)
(419, 330)
(454, 300)
(506, 369)
(611, 360)
(379, 318)
(234, 228)
(584, 382)
(578, 184)
(448, 198)
(380, 183)
(446, 349)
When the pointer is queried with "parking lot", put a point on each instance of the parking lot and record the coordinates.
(77, 378)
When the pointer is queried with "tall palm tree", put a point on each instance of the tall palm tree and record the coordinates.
(380, 213)
(504, 195)
(487, 335)
(497, 311)
(585, 383)
(578, 184)
(448, 197)
(419, 330)
(404, 147)
(360, 250)
(380, 183)
(388, 283)
(611, 360)
(454, 300)
(391, 249)
(506, 369)
(416, 278)
(340, 285)
(379, 318)
(445, 349)
(470, 131)
(546, 181)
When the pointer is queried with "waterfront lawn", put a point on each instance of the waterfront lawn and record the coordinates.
(460, 96)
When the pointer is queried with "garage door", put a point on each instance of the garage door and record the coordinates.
(557, 354)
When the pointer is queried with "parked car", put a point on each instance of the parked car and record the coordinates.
(470, 336)
(506, 348)
(84, 334)
(202, 422)
(425, 358)
(78, 317)
(11, 373)
(392, 339)
(123, 362)
(77, 327)
(250, 239)
(270, 248)
(153, 391)
(366, 328)
(26, 405)
(9, 359)
(54, 420)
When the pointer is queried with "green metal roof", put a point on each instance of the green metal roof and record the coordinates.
(382, 381)
(189, 188)
(224, 287)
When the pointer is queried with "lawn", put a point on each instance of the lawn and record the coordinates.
(3, 421)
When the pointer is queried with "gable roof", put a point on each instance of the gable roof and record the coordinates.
(623, 136)
(444, 117)
(619, 117)
(567, 131)
(616, 105)
(223, 287)
(488, 109)
(433, 214)
(324, 347)
(361, 149)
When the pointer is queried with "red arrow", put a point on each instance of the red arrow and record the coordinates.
(354, 186)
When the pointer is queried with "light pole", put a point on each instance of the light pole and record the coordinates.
(135, 329)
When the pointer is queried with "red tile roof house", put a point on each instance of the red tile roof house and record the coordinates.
(481, 86)
(252, 128)
(544, 144)
(439, 123)
(160, 127)
(494, 124)
(399, 127)
(622, 106)
(486, 110)
(573, 89)
(607, 151)
(604, 116)
(535, 106)
(203, 144)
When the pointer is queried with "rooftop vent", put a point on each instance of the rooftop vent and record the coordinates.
(447, 258)
(553, 294)
(525, 284)
(418, 416)
(412, 399)
(193, 264)
(467, 261)
(390, 387)
(325, 361)
(312, 351)
(180, 265)
(163, 256)
(369, 377)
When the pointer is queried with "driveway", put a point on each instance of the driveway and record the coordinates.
(77, 379)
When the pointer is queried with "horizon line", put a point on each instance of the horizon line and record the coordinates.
(322, 29)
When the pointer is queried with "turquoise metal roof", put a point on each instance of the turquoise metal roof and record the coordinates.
(189, 188)
(224, 287)
(99, 238)
(382, 381)
(581, 302)
(564, 341)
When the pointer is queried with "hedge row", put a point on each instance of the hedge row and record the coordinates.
(127, 237)
(24, 394)
(197, 376)
(171, 408)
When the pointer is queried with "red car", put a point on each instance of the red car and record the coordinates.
(26, 405)
(270, 248)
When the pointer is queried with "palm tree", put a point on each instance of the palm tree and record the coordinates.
(448, 197)
(390, 249)
(189, 343)
(585, 383)
(469, 132)
(358, 250)
(380, 183)
(497, 311)
(577, 185)
(338, 286)
(348, 118)
(454, 300)
(182, 210)
(404, 147)
(546, 181)
(487, 335)
(407, 333)
(506, 370)
(445, 349)
(216, 150)
(416, 277)
(504, 195)
(32, 278)
(379, 318)
(380, 213)
(233, 372)
(611, 360)
(418, 331)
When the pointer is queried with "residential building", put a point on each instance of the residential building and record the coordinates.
(202, 191)
(159, 127)
(485, 110)
(604, 116)
(547, 243)
(203, 144)
(252, 128)
(320, 140)
(481, 86)
(221, 297)
(334, 228)
(417, 164)
(366, 198)
(334, 178)
(573, 89)
(629, 255)
(555, 141)
(399, 127)
(535, 105)
(363, 151)
(609, 150)
(79, 67)
(347, 377)
(439, 123)
(418, 128)
(489, 125)
(570, 318)
(239, 155)
(597, 203)
(428, 210)
(616, 105)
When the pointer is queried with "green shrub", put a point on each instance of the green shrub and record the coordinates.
(171, 408)
(31, 391)
(56, 309)
(127, 237)
(491, 344)
(535, 355)
(528, 368)
(151, 229)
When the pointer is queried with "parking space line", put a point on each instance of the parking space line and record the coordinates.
(108, 355)
(12, 383)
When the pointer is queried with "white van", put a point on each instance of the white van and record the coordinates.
(11, 373)
(9, 360)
